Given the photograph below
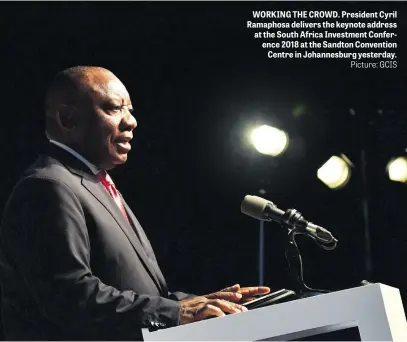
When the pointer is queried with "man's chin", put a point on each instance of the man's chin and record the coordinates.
(117, 160)
(120, 158)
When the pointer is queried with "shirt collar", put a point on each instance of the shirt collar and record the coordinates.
(92, 167)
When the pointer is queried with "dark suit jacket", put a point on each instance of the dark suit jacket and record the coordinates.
(72, 266)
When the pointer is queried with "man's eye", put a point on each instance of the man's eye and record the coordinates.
(116, 109)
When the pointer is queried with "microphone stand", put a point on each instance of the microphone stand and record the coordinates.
(294, 259)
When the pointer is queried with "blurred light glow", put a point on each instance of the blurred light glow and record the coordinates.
(397, 169)
(335, 173)
(269, 140)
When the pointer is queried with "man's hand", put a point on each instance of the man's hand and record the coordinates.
(239, 294)
(199, 308)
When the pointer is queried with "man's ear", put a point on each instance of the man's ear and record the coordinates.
(67, 118)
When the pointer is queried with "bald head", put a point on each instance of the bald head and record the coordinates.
(82, 99)
(72, 86)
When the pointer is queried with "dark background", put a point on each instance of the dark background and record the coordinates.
(198, 81)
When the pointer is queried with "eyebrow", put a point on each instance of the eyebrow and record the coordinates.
(117, 102)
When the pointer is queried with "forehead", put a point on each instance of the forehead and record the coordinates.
(107, 87)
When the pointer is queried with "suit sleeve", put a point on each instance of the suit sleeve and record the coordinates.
(47, 241)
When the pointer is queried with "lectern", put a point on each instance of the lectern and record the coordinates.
(375, 309)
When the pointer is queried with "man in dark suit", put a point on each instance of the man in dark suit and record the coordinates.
(75, 262)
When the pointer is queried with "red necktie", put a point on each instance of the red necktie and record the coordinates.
(107, 182)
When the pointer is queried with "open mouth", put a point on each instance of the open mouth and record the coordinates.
(123, 144)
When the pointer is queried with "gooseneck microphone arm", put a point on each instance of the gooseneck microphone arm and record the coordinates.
(293, 219)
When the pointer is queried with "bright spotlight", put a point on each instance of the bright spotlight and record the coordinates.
(269, 140)
(397, 169)
(335, 173)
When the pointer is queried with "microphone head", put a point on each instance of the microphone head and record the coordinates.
(254, 206)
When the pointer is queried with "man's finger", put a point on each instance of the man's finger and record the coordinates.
(230, 296)
(254, 291)
(209, 311)
(228, 307)
(233, 288)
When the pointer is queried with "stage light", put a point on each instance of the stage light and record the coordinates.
(397, 169)
(335, 173)
(269, 140)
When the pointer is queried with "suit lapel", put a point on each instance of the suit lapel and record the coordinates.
(92, 184)
(147, 246)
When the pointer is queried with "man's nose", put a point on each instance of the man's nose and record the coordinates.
(130, 121)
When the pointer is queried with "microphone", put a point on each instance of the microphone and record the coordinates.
(262, 209)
